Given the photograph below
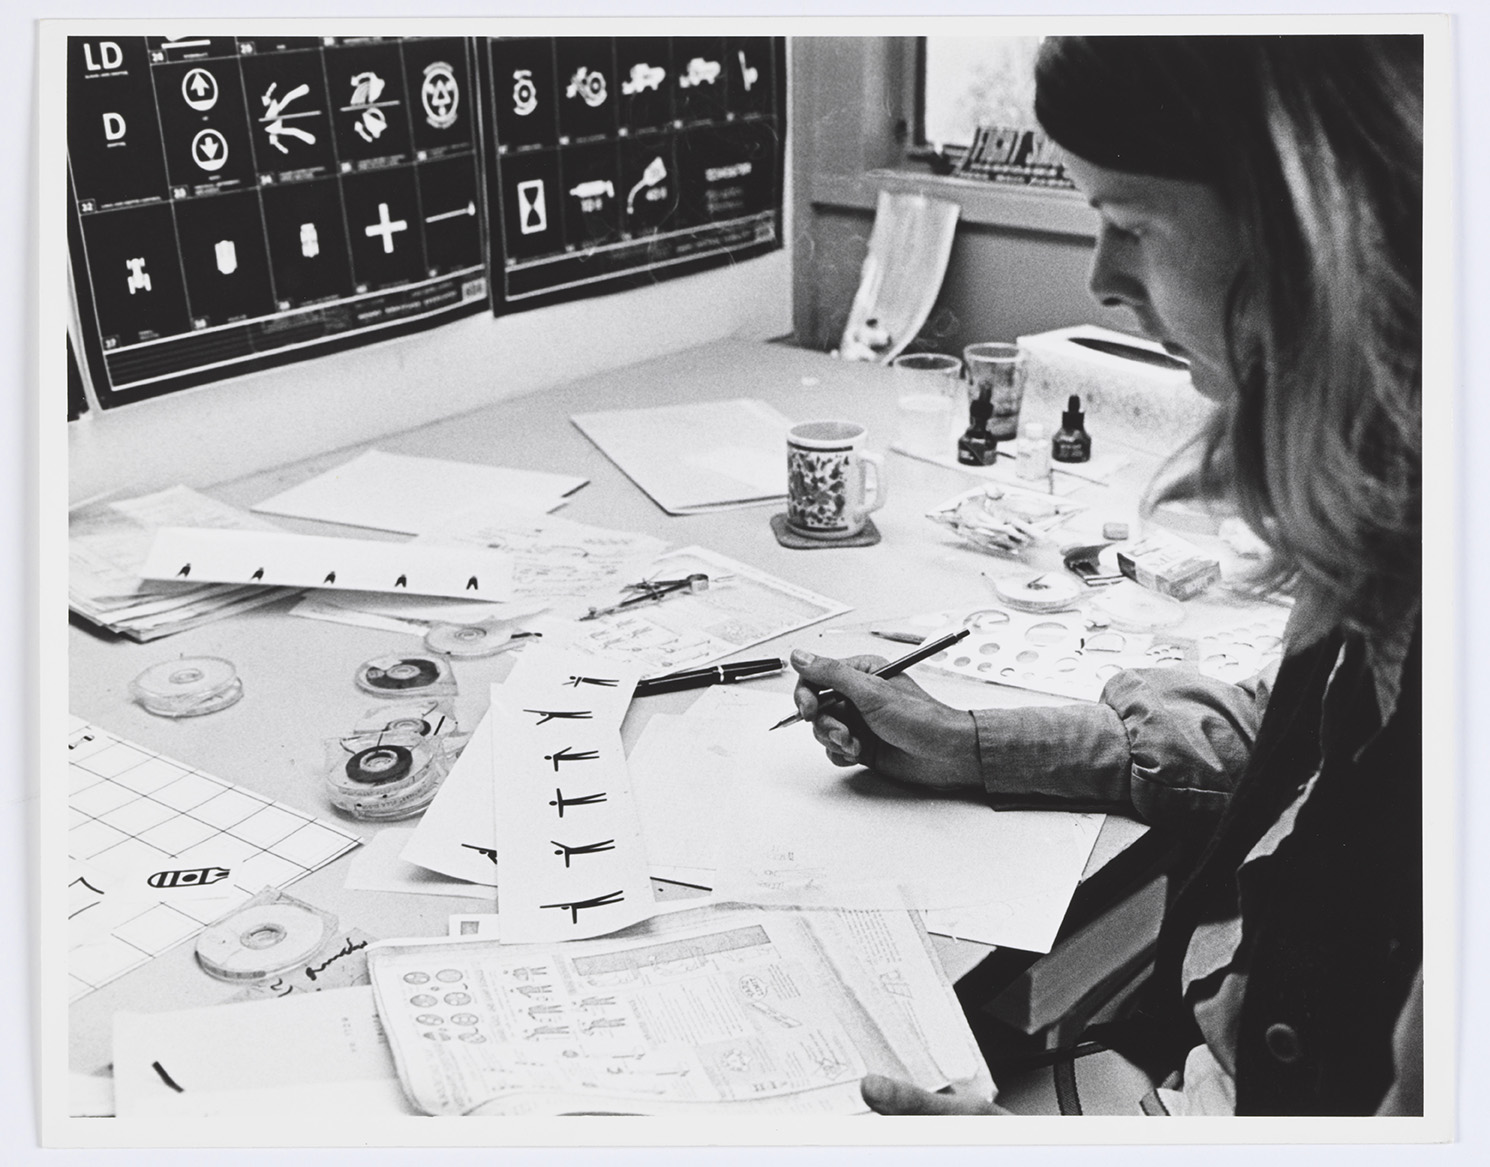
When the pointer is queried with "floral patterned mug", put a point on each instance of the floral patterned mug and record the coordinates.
(832, 483)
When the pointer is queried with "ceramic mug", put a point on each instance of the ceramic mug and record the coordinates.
(832, 482)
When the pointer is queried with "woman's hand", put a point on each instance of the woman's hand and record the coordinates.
(894, 727)
(887, 1096)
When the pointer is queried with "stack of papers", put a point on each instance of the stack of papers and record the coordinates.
(704, 456)
(108, 543)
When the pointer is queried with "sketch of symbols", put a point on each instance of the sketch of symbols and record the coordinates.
(199, 90)
(532, 207)
(276, 111)
(588, 85)
(209, 150)
(575, 907)
(524, 92)
(440, 95)
(367, 88)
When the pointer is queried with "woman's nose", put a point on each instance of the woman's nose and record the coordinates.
(1113, 281)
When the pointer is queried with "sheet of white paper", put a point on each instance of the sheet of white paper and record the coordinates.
(403, 493)
(787, 827)
(456, 835)
(309, 1055)
(742, 606)
(701, 455)
(285, 559)
(379, 866)
(572, 860)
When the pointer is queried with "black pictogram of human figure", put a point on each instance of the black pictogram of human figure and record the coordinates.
(568, 755)
(566, 850)
(604, 683)
(577, 906)
(547, 715)
(561, 802)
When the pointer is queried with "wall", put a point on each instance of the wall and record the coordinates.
(227, 429)
(1019, 261)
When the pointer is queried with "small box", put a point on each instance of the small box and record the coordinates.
(1167, 564)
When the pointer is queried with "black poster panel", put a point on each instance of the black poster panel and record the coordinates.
(668, 159)
(239, 203)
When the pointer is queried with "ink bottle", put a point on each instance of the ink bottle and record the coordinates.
(1071, 442)
(978, 447)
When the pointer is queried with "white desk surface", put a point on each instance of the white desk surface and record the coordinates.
(297, 673)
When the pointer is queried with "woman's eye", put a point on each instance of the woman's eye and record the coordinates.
(1125, 233)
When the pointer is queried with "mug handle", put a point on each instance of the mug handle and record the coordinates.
(871, 466)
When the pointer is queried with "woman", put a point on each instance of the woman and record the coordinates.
(1261, 206)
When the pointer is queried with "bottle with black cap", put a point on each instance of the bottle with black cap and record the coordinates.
(1071, 442)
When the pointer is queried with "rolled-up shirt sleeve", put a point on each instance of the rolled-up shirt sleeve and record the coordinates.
(1166, 744)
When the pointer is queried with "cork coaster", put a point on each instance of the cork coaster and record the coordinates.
(868, 537)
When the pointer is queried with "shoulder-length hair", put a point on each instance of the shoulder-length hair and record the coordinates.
(1314, 144)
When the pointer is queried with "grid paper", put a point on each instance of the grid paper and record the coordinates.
(129, 807)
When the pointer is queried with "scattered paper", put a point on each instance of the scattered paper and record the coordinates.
(379, 866)
(718, 1011)
(741, 607)
(702, 456)
(310, 1056)
(557, 563)
(456, 835)
(572, 861)
(282, 558)
(403, 493)
(781, 825)
(107, 543)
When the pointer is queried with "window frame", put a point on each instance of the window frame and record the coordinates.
(845, 166)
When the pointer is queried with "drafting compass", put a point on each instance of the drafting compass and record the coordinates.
(652, 591)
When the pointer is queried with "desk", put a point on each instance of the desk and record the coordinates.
(297, 673)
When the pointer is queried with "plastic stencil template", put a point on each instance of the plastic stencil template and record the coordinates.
(157, 850)
(1058, 653)
(742, 606)
(571, 859)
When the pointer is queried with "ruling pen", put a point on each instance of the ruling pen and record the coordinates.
(893, 669)
(712, 675)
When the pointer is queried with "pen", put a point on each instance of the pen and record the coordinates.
(713, 675)
(1130, 352)
(893, 669)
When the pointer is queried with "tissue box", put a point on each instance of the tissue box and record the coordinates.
(1140, 404)
(1167, 564)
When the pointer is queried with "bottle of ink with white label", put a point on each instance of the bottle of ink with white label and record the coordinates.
(1071, 442)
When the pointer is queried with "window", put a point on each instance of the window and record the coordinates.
(972, 82)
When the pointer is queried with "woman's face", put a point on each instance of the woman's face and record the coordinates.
(1169, 251)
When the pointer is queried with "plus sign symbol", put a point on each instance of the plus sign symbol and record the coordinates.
(385, 227)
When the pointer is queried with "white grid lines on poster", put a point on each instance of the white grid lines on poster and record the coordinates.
(133, 812)
(569, 844)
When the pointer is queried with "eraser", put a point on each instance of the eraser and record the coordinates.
(1114, 531)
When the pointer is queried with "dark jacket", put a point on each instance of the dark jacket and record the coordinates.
(1338, 927)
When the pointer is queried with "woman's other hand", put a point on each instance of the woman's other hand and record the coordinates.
(887, 1096)
(892, 726)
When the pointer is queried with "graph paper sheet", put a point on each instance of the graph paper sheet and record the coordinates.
(158, 849)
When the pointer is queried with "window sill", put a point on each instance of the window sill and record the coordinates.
(985, 204)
